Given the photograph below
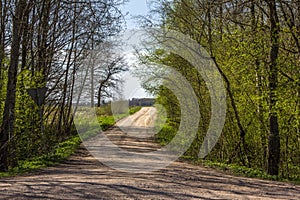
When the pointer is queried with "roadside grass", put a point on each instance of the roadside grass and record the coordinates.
(106, 121)
(64, 149)
(165, 135)
(61, 152)
(245, 171)
(134, 109)
(168, 132)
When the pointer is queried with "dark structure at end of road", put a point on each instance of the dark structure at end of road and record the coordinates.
(142, 102)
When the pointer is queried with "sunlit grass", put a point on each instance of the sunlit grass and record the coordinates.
(66, 148)
(62, 151)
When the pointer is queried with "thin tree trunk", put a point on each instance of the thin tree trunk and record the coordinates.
(62, 116)
(274, 138)
(92, 63)
(242, 143)
(3, 14)
(7, 128)
(99, 95)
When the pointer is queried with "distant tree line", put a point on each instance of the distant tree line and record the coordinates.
(141, 102)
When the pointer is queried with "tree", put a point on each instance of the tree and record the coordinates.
(102, 73)
(7, 128)
(46, 42)
(261, 72)
(3, 22)
(274, 138)
(109, 79)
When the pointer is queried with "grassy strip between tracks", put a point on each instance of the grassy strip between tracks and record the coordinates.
(63, 150)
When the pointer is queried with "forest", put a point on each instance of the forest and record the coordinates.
(255, 45)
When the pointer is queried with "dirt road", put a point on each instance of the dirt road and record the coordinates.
(84, 177)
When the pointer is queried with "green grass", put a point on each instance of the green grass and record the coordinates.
(168, 132)
(165, 135)
(62, 151)
(239, 170)
(65, 149)
(106, 121)
(134, 109)
(245, 171)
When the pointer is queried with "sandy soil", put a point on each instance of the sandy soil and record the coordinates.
(84, 177)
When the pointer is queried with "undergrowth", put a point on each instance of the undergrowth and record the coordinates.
(61, 152)
(167, 133)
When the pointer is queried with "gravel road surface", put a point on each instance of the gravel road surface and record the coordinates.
(84, 177)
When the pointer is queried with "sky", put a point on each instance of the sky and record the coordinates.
(132, 88)
(134, 8)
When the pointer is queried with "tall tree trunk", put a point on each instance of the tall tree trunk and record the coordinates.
(7, 128)
(43, 32)
(3, 10)
(274, 138)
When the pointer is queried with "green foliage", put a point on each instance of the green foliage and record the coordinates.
(103, 110)
(134, 109)
(106, 119)
(166, 134)
(245, 171)
(106, 122)
(34, 131)
(62, 151)
(30, 151)
(241, 48)
(238, 170)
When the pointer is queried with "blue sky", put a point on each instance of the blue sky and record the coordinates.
(133, 8)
